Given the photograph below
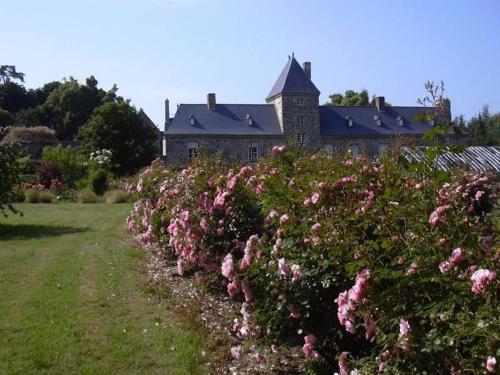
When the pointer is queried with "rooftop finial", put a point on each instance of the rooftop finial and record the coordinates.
(293, 55)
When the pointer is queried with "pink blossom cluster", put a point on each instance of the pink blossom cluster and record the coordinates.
(276, 150)
(437, 217)
(404, 332)
(481, 279)
(308, 348)
(455, 257)
(344, 368)
(348, 301)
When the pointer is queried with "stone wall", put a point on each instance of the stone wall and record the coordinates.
(231, 147)
(289, 110)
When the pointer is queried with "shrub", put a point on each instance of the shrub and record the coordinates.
(86, 196)
(370, 267)
(46, 197)
(99, 181)
(9, 176)
(47, 172)
(32, 196)
(18, 195)
(68, 160)
(115, 196)
(37, 134)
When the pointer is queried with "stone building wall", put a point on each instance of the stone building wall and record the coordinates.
(289, 109)
(231, 147)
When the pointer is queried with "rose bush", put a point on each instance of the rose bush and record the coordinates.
(369, 266)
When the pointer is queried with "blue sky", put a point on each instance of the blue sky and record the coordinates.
(183, 49)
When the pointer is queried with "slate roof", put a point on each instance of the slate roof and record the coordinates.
(292, 80)
(225, 119)
(333, 121)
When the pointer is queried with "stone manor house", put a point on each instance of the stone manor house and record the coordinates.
(292, 113)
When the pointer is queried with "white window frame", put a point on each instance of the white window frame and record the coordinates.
(193, 150)
(300, 120)
(299, 101)
(301, 139)
(354, 149)
(253, 152)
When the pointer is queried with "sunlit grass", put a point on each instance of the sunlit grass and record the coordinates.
(72, 300)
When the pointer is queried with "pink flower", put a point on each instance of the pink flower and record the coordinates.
(491, 363)
(185, 216)
(404, 327)
(246, 170)
(232, 183)
(413, 267)
(283, 267)
(343, 366)
(308, 348)
(434, 218)
(284, 218)
(294, 313)
(236, 352)
(315, 198)
(456, 255)
(296, 272)
(227, 268)
(204, 225)
(307, 202)
(233, 287)
(370, 327)
(480, 279)
(479, 195)
(220, 232)
(276, 150)
(316, 227)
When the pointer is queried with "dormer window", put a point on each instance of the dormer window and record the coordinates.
(400, 121)
(349, 121)
(249, 120)
(191, 120)
(430, 121)
(377, 120)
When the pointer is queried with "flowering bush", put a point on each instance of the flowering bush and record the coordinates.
(48, 173)
(370, 267)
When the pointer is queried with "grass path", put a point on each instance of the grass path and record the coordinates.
(72, 301)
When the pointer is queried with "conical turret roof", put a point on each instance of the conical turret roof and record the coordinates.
(292, 80)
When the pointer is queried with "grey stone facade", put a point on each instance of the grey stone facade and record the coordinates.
(292, 114)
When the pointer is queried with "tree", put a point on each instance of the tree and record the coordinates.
(9, 72)
(116, 126)
(69, 106)
(13, 97)
(6, 119)
(9, 175)
(350, 97)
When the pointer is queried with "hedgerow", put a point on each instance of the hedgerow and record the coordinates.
(370, 266)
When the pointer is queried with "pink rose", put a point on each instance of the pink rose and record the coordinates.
(491, 363)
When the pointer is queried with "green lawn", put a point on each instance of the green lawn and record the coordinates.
(72, 300)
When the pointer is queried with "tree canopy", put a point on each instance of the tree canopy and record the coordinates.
(116, 126)
(353, 98)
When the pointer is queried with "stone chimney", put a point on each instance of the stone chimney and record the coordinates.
(307, 68)
(380, 103)
(211, 103)
(167, 114)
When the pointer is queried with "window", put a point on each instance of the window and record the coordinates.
(301, 139)
(299, 101)
(191, 120)
(249, 120)
(192, 150)
(382, 148)
(377, 120)
(349, 121)
(253, 152)
(300, 120)
(328, 149)
(354, 149)
(400, 121)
